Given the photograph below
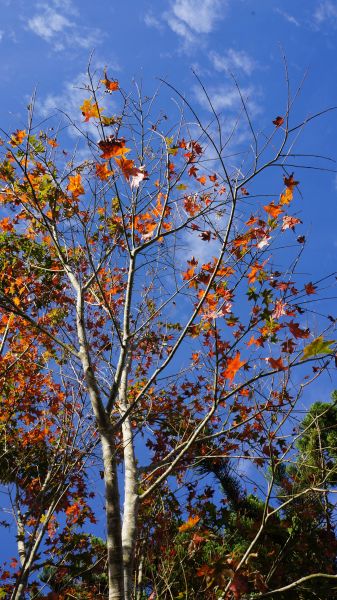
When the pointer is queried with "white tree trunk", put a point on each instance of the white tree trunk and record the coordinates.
(113, 519)
(129, 530)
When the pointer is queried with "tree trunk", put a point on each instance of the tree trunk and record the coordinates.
(113, 519)
(19, 594)
(129, 529)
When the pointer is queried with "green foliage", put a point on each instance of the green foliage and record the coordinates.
(318, 346)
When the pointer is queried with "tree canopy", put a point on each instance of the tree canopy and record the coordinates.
(158, 340)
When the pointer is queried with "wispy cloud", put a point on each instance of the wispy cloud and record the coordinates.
(57, 23)
(226, 98)
(326, 10)
(190, 18)
(290, 18)
(233, 60)
(236, 131)
(68, 101)
(151, 21)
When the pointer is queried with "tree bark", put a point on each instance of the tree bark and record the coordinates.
(131, 499)
(113, 519)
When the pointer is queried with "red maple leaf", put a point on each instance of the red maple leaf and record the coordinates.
(297, 332)
(206, 236)
(288, 346)
(276, 363)
(278, 121)
(310, 288)
(290, 182)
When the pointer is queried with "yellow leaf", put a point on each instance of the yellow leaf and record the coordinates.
(90, 110)
(75, 185)
(102, 171)
(287, 196)
(189, 524)
(17, 137)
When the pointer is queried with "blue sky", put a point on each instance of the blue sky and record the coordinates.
(47, 45)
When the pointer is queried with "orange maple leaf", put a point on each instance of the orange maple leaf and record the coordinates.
(127, 166)
(191, 521)
(75, 185)
(90, 110)
(287, 195)
(52, 142)
(233, 365)
(111, 85)
(6, 224)
(103, 172)
(112, 147)
(191, 205)
(193, 171)
(17, 137)
(273, 209)
(252, 341)
(253, 272)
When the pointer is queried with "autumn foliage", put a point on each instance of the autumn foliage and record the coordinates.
(154, 329)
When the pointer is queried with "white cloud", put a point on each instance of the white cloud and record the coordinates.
(1, 34)
(55, 24)
(68, 101)
(151, 21)
(48, 23)
(225, 97)
(188, 18)
(233, 60)
(290, 18)
(325, 11)
(199, 15)
(202, 251)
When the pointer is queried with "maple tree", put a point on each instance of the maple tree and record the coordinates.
(143, 315)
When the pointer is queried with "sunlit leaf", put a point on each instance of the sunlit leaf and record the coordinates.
(233, 366)
(111, 85)
(75, 185)
(318, 346)
(190, 523)
(112, 147)
(90, 110)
